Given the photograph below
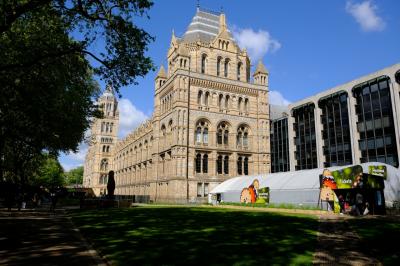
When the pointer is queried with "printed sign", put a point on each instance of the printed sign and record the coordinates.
(378, 170)
(255, 194)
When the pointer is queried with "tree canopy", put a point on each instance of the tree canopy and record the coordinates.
(74, 176)
(48, 67)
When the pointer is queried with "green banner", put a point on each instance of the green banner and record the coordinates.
(353, 177)
(378, 170)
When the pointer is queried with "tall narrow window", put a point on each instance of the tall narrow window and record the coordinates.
(219, 164)
(219, 136)
(206, 97)
(205, 189)
(226, 137)
(198, 135)
(205, 163)
(219, 66)
(239, 165)
(246, 166)
(205, 135)
(227, 101)
(239, 66)
(240, 102)
(199, 96)
(246, 105)
(226, 164)
(226, 68)
(239, 138)
(220, 101)
(198, 163)
(245, 139)
(199, 190)
(203, 63)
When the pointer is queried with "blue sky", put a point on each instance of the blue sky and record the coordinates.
(308, 46)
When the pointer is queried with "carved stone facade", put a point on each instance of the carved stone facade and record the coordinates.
(100, 156)
(210, 123)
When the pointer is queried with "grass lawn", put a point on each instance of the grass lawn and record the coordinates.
(199, 235)
(380, 238)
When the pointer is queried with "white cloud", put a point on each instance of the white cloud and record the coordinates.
(129, 117)
(276, 98)
(365, 14)
(257, 43)
(73, 160)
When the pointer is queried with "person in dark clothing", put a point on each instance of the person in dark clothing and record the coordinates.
(111, 185)
(341, 204)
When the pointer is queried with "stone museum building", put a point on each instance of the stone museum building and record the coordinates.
(210, 122)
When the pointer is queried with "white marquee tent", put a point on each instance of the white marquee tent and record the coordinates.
(299, 187)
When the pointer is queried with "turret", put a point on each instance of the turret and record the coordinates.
(161, 77)
(261, 75)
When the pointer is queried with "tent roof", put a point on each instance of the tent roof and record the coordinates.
(306, 180)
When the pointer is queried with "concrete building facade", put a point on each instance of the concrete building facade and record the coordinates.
(353, 123)
(210, 122)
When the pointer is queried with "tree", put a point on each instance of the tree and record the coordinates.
(47, 80)
(49, 174)
(74, 176)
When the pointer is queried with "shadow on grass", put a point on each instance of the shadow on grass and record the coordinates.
(178, 235)
(379, 236)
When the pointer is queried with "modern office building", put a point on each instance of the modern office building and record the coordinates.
(353, 123)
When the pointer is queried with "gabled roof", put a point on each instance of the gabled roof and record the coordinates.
(161, 73)
(260, 69)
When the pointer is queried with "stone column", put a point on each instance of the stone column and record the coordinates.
(292, 146)
(318, 135)
(354, 134)
(395, 99)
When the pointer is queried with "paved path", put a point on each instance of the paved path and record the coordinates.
(338, 244)
(40, 238)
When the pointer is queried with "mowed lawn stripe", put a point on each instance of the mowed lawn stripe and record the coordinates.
(171, 235)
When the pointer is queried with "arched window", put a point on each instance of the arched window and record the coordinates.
(239, 66)
(240, 102)
(226, 164)
(203, 63)
(111, 127)
(199, 96)
(198, 163)
(246, 105)
(227, 101)
(108, 149)
(219, 59)
(226, 68)
(201, 132)
(239, 165)
(219, 164)
(205, 163)
(223, 133)
(246, 166)
(104, 148)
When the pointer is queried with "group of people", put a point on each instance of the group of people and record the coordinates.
(358, 205)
